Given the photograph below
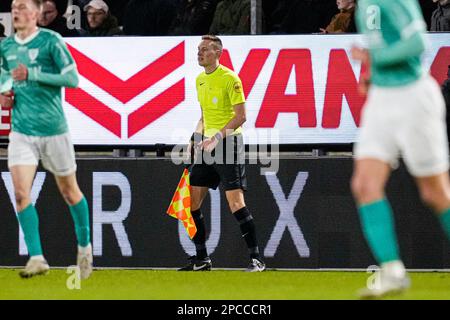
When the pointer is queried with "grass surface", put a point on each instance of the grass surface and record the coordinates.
(217, 285)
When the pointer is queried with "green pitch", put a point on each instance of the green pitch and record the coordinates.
(220, 285)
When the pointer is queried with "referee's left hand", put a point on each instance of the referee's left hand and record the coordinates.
(209, 144)
(20, 73)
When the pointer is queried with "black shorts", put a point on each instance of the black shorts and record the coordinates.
(226, 165)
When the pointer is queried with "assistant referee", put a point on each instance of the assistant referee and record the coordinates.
(218, 138)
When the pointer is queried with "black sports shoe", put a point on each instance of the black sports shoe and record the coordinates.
(256, 265)
(197, 264)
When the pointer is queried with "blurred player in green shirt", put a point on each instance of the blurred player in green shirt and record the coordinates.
(35, 65)
(404, 115)
(219, 142)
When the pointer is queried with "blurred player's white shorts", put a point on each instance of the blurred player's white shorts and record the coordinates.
(407, 121)
(56, 152)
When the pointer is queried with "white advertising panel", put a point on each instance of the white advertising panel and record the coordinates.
(300, 89)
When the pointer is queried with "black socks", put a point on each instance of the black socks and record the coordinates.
(200, 237)
(247, 226)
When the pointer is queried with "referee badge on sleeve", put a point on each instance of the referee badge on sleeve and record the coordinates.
(237, 87)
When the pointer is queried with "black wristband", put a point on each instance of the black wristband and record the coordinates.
(196, 137)
(218, 136)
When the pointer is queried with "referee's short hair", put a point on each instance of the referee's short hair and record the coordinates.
(215, 39)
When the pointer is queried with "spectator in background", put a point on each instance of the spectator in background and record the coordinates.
(2, 31)
(51, 18)
(100, 22)
(344, 21)
(304, 16)
(194, 17)
(440, 19)
(116, 8)
(231, 17)
(149, 17)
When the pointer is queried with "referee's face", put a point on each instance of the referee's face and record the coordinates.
(207, 54)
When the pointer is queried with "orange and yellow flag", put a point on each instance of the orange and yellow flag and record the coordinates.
(180, 206)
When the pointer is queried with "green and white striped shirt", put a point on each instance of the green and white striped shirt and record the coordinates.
(395, 31)
(37, 101)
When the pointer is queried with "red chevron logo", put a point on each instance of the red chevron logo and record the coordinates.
(126, 90)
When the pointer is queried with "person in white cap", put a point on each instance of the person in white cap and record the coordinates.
(100, 22)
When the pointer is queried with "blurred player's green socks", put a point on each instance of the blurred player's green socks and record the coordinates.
(29, 221)
(80, 215)
(445, 221)
(378, 227)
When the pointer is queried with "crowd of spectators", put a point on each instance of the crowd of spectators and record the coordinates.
(220, 17)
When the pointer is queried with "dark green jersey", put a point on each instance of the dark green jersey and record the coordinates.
(395, 31)
(37, 101)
